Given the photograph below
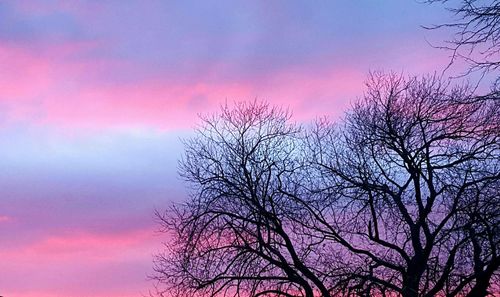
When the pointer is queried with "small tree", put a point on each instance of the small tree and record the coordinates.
(399, 199)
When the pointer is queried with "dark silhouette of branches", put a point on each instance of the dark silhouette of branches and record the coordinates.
(414, 171)
(476, 33)
(399, 199)
(236, 236)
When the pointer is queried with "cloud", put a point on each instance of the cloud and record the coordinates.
(72, 93)
(107, 182)
(103, 64)
(80, 264)
(77, 210)
(57, 92)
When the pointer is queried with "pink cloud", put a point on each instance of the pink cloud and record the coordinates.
(56, 88)
(175, 105)
(80, 264)
(22, 74)
(57, 92)
(93, 247)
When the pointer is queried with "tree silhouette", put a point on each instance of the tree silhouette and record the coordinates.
(476, 36)
(413, 174)
(399, 199)
(233, 237)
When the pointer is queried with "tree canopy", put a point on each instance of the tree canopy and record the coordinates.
(400, 198)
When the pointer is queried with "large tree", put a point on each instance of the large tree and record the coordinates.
(414, 177)
(399, 198)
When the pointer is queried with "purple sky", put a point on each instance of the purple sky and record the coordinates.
(94, 96)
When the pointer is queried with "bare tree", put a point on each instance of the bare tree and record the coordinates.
(236, 236)
(477, 33)
(399, 199)
(412, 177)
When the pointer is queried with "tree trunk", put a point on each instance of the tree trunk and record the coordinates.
(480, 289)
(411, 280)
(410, 286)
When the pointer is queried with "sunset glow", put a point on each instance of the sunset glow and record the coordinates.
(96, 95)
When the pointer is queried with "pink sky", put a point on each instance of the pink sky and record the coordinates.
(94, 97)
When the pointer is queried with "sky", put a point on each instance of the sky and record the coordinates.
(96, 95)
